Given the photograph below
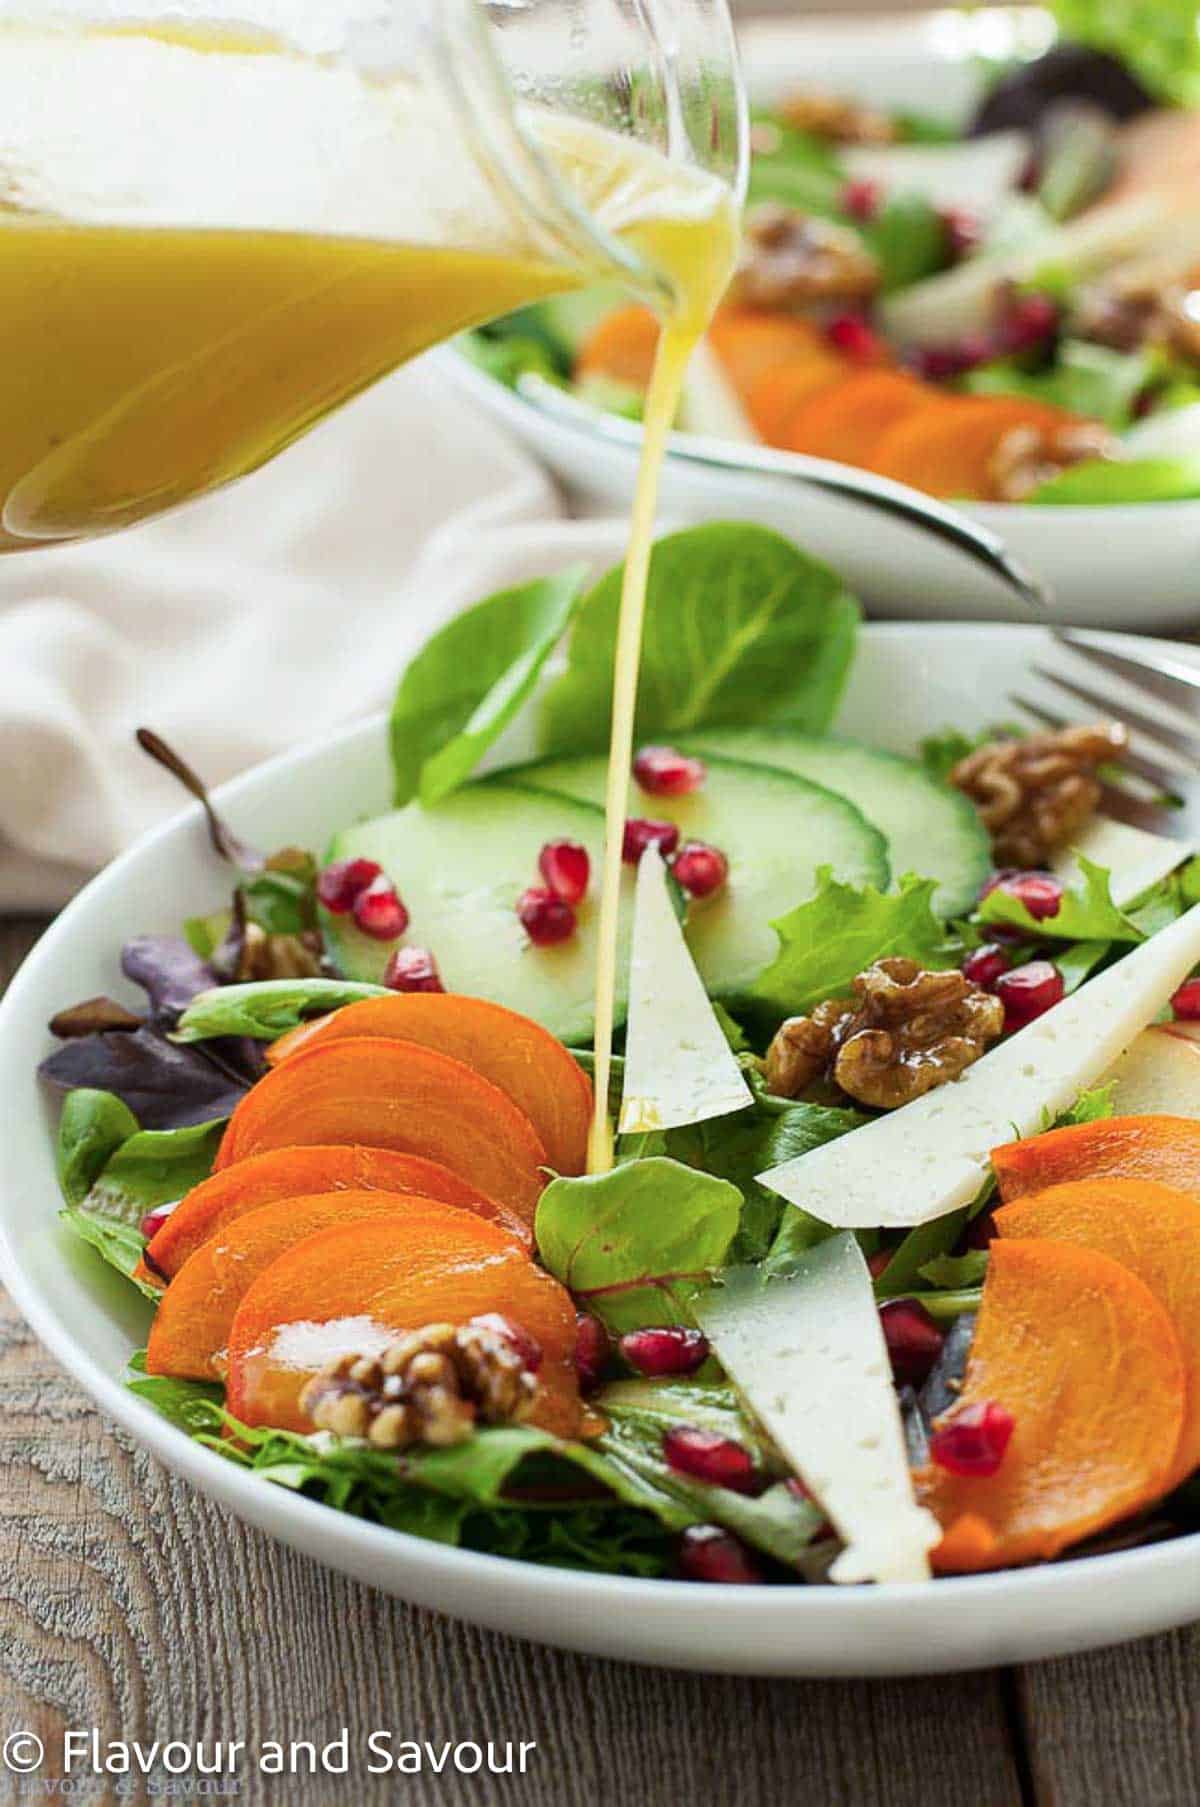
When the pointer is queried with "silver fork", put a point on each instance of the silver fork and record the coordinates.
(1164, 754)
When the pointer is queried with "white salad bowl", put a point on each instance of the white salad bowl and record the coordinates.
(1128, 566)
(908, 681)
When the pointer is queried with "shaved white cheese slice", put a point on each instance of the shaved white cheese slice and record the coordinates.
(679, 1068)
(931, 1156)
(1134, 859)
(710, 404)
(808, 1356)
(977, 174)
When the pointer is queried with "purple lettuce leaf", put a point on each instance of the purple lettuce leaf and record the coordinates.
(165, 1086)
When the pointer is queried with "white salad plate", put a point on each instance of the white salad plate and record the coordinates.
(1128, 566)
(908, 681)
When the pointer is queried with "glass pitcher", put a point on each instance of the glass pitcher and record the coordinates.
(220, 219)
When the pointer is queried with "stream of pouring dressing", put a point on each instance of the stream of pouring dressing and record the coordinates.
(181, 300)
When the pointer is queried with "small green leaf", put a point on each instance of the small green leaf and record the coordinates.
(120, 1244)
(152, 1168)
(92, 1127)
(1085, 914)
(956, 1271)
(1079, 961)
(635, 1243)
(468, 682)
(825, 942)
(908, 239)
(1099, 482)
(267, 1008)
(741, 627)
(1090, 1107)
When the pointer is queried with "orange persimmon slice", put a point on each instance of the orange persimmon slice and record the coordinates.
(517, 1055)
(847, 422)
(353, 1288)
(191, 1326)
(751, 343)
(946, 448)
(1166, 1149)
(1086, 1359)
(1152, 1230)
(297, 1172)
(377, 1093)
(622, 346)
(780, 392)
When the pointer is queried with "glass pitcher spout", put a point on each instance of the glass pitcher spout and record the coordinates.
(213, 232)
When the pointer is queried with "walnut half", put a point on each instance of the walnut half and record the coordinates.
(431, 1386)
(791, 260)
(1034, 794)
(904, 1031)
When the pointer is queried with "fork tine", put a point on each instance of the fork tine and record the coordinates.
(1164, 777)
(1159, 731)
(1168, 679)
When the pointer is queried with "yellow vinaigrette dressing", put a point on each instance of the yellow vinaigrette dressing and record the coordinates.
(184, 298)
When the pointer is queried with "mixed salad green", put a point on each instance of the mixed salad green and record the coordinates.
(836, 857)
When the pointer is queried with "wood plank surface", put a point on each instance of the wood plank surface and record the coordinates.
(130, 1603)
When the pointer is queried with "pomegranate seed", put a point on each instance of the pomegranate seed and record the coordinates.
(342, 881)
(939, 362)
(664, 772)
(378, 911)
(700, 869)
(973, 1440)
(412, 969)
(963, 232)
(566, 868)
(154, 1220)
(1186, 1002)
(913, 1339)
(642, 832)
(1030, 322)
(524, 1343)
(877, 1262)
(672, 1349)
(1028, 992)
(545, 918)
(1040, 892)
(861, 200)
(706, 1553)
(985, 964)
(593, 1349)
(707, 1456)
(851, 335)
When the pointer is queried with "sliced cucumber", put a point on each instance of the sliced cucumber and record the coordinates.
(776, 830)
(930, 829)
(460, 869)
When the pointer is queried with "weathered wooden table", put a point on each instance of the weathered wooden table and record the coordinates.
(129, 1603)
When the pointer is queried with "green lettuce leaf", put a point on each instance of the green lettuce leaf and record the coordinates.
(1087, 913)
(635, 1244)
(741, 626)
(825, 942)
(148, 1169)
(908, 239)
(739, 1147)
(92, 1127)
(466, 684)
(639, 1412)
(1086, 379)
(956, 1271)
(1101, 481)
(512, 1490)
(267, 1008)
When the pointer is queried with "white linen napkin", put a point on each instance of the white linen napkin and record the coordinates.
(253, 620)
